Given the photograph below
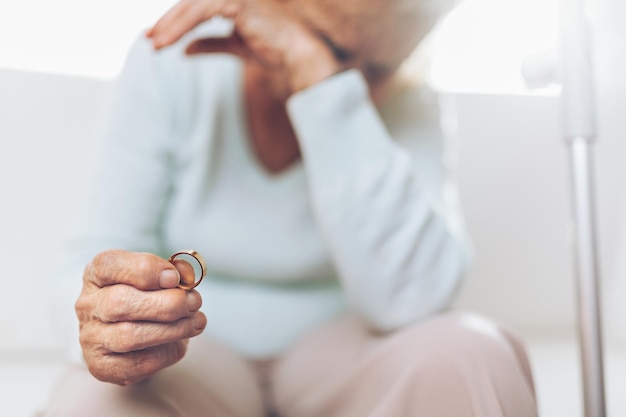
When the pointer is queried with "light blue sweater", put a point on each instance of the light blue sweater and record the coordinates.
(367, 221)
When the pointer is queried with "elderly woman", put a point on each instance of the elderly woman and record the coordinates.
(294, 156)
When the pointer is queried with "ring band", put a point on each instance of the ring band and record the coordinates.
(195, 255)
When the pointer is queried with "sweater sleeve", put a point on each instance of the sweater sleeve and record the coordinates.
(126, 188)
(395, 236)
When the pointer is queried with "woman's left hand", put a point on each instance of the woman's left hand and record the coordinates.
(264, 30)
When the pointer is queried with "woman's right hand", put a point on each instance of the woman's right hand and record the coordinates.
(266, 31)
(134, 321)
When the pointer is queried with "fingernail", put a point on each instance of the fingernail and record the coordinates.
(194, 302)
(169, 278)
(198, 321)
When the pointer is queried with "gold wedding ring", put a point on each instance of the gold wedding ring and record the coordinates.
(187, 284)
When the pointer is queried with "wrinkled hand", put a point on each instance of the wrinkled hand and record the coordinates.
(133, 320)
(264, 30)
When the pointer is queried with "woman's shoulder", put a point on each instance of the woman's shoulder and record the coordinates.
(174, 62)
(176, 87)
(180, 84)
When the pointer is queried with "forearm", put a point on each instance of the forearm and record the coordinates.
(392, 238)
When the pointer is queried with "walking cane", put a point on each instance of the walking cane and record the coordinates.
(579, 131)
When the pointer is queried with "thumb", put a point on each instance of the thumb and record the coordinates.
(143, 271)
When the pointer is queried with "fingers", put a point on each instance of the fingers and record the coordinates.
(131, 367)
(129, 336)
(128, 329)
(185, 16)
(143, 271)
(186, 272)
(118, 303)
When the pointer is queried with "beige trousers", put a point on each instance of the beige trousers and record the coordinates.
(452, 365)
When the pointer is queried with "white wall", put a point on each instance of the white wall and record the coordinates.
(47, 126)
(513, 183)
(607, 18)
(516, 189)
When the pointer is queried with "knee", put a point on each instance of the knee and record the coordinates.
(458, 343)
(461, 356)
